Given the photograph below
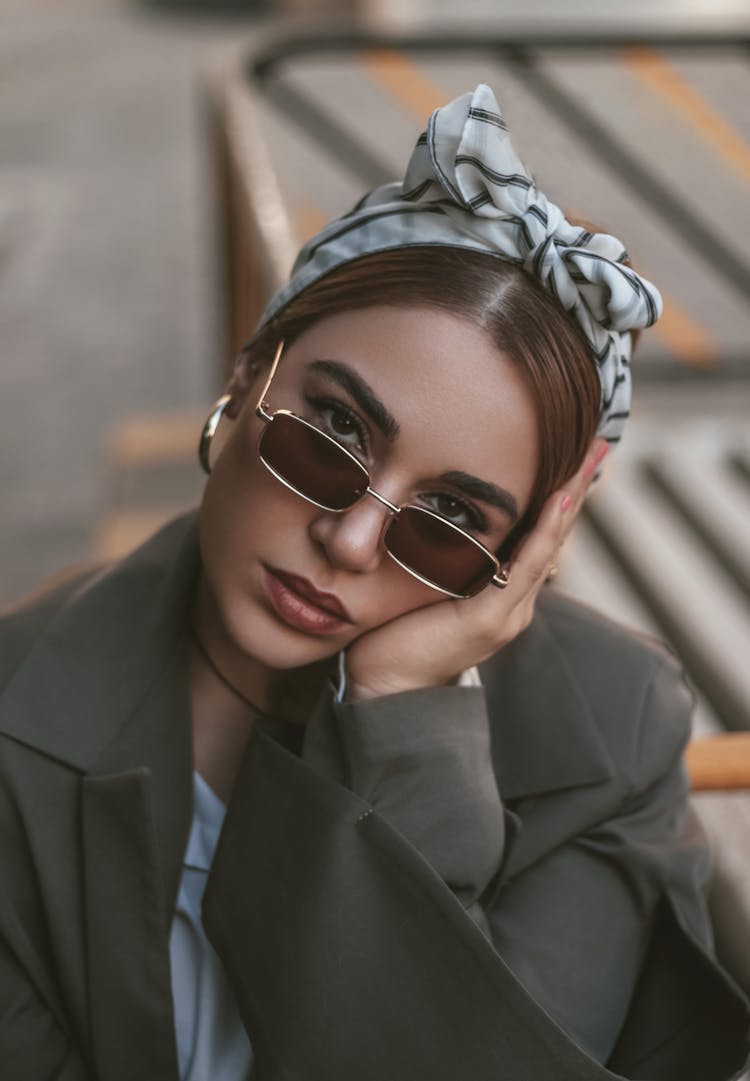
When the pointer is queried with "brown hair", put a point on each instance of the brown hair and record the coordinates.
(513, 308)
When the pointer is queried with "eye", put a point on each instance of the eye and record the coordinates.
(456, 511)
(338, 421)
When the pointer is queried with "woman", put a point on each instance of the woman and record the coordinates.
(318, 785)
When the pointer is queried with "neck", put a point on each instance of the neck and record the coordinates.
(213, 667)
(287, 695)
(222, 724)
(228, 692)
(251, 682)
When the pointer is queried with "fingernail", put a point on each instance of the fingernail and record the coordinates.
(565, 502)
(601, 451)
(596, 454)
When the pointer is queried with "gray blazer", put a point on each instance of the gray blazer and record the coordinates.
(499, 883)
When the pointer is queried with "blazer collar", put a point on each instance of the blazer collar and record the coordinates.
(544, 735)
(92, 668)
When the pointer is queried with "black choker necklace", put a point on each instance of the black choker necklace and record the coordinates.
(220, 675)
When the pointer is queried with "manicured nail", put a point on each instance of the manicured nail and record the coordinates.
(566, 502)
(595, 455)
(601, 451)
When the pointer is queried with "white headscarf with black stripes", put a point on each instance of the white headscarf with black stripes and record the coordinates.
(465, 187)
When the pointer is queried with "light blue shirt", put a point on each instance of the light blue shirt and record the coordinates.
(211, 1039)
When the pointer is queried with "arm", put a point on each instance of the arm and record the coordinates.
(427, 774)
(422, 759)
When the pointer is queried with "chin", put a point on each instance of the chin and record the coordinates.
(257, 633)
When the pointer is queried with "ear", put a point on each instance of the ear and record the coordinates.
(242, 380)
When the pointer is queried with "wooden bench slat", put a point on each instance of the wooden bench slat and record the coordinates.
(691, 596)
(719, 762)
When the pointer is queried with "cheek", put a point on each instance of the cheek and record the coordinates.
(394, 593)
(239, 500)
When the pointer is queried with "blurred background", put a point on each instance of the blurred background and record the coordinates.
(160, 163)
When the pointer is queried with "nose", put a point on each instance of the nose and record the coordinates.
(353, 540)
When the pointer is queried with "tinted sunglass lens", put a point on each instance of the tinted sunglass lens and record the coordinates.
(438, 552)
(312, 463)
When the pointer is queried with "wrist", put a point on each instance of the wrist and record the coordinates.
(359, 692)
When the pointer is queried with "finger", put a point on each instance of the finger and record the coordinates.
(578, 486)
(486, 631)
(540, 547)
(580, 483)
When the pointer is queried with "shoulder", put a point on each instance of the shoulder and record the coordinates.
(583, 632)
(23, 623)
(78, 662)
(156, 574)
(138, 599)
(583, 687)
(633, 684)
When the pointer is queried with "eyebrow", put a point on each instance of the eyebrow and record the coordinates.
(363, 394)
(371, 405)
(482, 489)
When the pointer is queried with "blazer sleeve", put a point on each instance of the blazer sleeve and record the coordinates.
(422, 759)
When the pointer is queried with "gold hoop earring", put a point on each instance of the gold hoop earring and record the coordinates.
(209, 431)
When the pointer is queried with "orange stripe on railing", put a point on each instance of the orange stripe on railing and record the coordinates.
(396, 74)
(405, 82)
(719, 762)
(661, 77)
(307, 220)
(684, 337)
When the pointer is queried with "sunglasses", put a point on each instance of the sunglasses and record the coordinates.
(312, 464)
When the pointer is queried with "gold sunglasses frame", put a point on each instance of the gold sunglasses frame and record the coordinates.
(500, 578)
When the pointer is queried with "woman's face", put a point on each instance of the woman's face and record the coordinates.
(416, 394)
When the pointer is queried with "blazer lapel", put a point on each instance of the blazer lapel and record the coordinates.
(128, 960)
(136, 807)
(104, 692)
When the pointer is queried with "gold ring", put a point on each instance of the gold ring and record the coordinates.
(502, 578)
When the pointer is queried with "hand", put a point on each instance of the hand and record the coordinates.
(430, 646)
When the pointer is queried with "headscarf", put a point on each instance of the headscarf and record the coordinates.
(465, 187)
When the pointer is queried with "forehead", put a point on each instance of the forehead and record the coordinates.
(458, 399)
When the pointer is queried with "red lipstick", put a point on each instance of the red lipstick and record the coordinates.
(300, 605)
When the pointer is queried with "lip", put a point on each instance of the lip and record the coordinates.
(300, 605)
